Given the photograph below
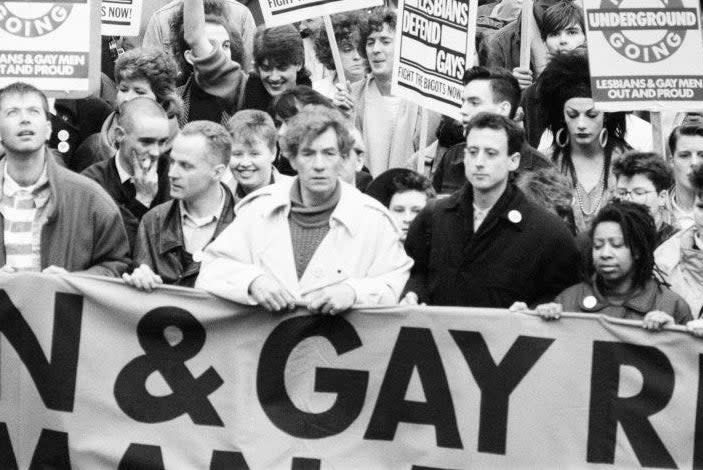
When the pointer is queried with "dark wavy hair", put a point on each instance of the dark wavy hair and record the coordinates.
(696, 178)
(286, 104)
(565, 77)
(378, 16)
(215, 12)
(346, 26)
(513, 132)
(504, 86)
(309, 124)
(158, 68)
(561, 16)
(687, 130)
(281, 46)
(649, 164)
(639, 232)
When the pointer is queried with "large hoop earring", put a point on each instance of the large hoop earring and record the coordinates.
(558, 139)
(603, 137)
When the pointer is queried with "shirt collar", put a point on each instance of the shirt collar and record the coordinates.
(203, 221)
(10, 187)
(121, 172)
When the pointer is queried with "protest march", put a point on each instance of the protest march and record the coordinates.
(351, 234)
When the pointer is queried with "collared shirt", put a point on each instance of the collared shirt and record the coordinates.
(480, 216)
(23, 210)
(198, 231)
(126, 177)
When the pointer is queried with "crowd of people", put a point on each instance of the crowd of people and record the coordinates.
(236, 159)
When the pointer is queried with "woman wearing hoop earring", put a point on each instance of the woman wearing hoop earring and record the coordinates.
(586, 140)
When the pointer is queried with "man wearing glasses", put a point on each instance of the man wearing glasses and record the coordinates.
(645, 178)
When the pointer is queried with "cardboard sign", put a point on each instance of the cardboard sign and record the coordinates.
(645, 55)
(280, 12)
(94, 375)
(55, 46)
(121, 17)
(434, 46)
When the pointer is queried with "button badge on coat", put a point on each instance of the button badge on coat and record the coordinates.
(515, 216)
(589, 302)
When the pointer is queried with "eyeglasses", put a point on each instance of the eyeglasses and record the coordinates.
(636, 193)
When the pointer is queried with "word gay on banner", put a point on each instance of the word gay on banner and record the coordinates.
(96, 375)
(280, 12)
(121, 17)
(435, 40)
(54, 45)
(645, 55)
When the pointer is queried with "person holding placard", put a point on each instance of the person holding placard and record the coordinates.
(586, 140)
(347, 35)
(390, 125)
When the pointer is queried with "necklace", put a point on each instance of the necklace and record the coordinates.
(579, 199)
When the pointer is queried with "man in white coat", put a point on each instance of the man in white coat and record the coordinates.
(314, 240)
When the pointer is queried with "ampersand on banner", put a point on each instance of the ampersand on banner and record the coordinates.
(189, 394)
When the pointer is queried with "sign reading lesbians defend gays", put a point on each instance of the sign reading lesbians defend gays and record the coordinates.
(97, 375)
(53, 45)
(645, 54)
(434, 45)
(121, 17)
(279, 12)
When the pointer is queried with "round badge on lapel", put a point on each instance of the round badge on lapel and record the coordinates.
(589, 302)
(63, 135)
(515, 216)
(63, 147)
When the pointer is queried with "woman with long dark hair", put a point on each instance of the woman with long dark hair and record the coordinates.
(585, 140)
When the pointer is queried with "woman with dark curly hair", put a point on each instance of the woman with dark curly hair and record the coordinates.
(620, 281)
(347, 34)
(585, 140)
(404, 192)
(139, 72)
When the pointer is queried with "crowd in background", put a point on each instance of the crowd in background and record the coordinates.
(232, 157)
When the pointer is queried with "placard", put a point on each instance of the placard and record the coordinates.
(645, 55)
(434, 46)
(121, 17)
(280, 12)
(52, 45)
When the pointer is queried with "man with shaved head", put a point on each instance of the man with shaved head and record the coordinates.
(51, 219)
(137, 176)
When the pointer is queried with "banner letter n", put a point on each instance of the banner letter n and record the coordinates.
(55, 380)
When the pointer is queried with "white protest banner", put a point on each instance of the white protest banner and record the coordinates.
(97, 375)
(54, 45)
(434, 45)
(121, 17)
(280, 12)
(645, 55)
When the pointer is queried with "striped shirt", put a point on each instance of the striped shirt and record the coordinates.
(22, 208)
